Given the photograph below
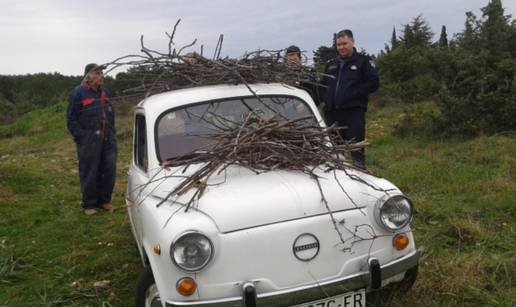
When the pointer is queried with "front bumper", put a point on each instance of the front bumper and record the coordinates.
(365, 279)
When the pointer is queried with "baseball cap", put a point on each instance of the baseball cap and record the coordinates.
(92, 67)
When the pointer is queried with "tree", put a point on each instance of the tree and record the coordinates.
(479, 94)
(495, 31)
(443, 39)
(468, 39)
(417, 33)
(323, 54)
(473, 80)
(407, 39)
(394, 39)
(512, 44)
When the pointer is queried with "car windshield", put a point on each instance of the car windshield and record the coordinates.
(183, 131)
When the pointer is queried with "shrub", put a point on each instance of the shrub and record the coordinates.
(479, 97)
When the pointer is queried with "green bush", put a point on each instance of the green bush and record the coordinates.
(418, 119)
(20, 94)
(411, 75)
(473, 80)
(480, 97)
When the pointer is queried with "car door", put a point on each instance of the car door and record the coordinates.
(137, 176)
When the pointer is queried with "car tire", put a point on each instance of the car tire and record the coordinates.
(408, 281)
(376, 298)
(147, 294)
(373, 299)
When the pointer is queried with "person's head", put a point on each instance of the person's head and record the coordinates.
(293, 55)
(93, 75)
(345, 43)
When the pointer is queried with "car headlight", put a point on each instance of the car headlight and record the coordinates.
(191, 251)
(395, 213)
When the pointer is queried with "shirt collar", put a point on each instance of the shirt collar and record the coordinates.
(86, 85)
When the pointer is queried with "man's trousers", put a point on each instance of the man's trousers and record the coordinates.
(97, 167)
(353, 121)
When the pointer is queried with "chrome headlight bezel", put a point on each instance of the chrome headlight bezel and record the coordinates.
(388, 201)
(175, 243)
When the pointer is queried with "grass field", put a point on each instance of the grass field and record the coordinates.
(464, 191)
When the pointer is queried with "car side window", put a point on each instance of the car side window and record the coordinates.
(140, 142)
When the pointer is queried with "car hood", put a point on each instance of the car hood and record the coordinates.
(239, 198)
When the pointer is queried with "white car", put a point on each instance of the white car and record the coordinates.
(257, 239)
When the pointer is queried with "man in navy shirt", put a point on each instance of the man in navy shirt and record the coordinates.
(352, 79)
(91, 121)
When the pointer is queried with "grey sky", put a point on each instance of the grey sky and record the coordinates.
(62, 36)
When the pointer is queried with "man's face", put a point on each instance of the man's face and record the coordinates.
(345, 46)
(96, 78)
(294, 59)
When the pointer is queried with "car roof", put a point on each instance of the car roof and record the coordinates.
(154, 105)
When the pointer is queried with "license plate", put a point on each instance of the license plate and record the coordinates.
(350, 299)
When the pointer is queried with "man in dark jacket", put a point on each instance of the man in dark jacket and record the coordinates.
(91, 121)
(346, 95)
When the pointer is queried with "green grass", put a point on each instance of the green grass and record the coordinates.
(464, 191)
(51, 254)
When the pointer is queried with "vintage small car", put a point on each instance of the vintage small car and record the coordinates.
(257, 239)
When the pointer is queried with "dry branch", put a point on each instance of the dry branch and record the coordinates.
(262, 145)
(257, 143)
(159, 71)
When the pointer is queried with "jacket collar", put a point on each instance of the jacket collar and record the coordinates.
(87, 86)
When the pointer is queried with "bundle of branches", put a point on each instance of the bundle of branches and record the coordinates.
(258, 143)
(263, 145)
(156, 71)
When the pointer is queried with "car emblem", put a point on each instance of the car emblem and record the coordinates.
(306, 247)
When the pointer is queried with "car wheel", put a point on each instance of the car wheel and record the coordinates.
(147, 294)
(409, 280)
(375, 298)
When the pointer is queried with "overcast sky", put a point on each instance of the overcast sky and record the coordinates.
(63, 35)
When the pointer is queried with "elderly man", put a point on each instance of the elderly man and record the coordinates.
(346, 95)
(91, 121)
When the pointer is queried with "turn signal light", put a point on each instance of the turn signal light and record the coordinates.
(186, 286)
(400, 241)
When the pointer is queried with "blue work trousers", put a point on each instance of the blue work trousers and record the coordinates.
(353, 119)
(97, 167)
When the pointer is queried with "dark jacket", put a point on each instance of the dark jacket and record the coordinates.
(89, 112)
(312, 87)
(358, 78)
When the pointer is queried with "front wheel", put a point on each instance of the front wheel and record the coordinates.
(376, 298)
(147, 294)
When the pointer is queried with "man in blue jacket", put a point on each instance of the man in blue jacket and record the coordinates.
(346, 96)
(91, 121)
